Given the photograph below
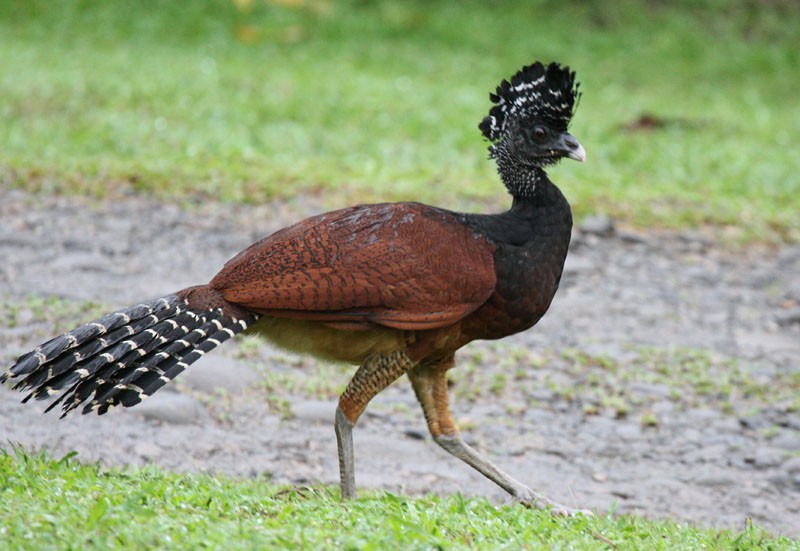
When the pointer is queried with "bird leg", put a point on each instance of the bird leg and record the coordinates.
(376, 373)
(430, 386)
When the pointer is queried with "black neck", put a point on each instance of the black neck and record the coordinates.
(520, 179)
(545, 194)
(530, 217)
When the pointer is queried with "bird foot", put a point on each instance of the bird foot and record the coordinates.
(344, 441)
(532, 500)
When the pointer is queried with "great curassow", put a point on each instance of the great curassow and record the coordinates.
(395, 288)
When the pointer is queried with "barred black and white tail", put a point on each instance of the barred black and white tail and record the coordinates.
(127, 355)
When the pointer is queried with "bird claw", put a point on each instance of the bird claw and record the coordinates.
(532, 500)
(562, 511)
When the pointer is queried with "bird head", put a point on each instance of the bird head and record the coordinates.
(528, 123)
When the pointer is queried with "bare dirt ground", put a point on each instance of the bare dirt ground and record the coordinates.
(663, 381)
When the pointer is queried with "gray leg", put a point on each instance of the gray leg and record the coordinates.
(344, 441)
(375, 374)
(430, 386)
(457, 447)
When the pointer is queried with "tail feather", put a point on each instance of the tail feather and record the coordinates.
(105, 349)
(134, 386)
(89, 357)
(52, 349)
(125, 356)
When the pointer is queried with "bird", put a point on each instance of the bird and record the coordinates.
(393, 288)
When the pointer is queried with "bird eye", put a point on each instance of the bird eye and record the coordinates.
(539, 133)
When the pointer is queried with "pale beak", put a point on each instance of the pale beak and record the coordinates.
(572, 147)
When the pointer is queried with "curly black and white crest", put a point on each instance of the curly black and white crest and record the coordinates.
(547, 94)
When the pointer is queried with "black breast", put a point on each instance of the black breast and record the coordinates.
(532, 241)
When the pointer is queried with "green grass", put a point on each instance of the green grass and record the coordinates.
(363, 100)
(687, 377)
(48, 311)
(693, 377)
(61, 504)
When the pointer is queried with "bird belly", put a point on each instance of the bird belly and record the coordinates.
(326, 341)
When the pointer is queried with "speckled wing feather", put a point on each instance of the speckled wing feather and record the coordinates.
(400, 265)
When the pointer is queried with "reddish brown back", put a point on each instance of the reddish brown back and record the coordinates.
(401, 265)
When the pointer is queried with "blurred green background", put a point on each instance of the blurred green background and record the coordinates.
(690, 114)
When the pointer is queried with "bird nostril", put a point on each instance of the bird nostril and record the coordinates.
(571, 142)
